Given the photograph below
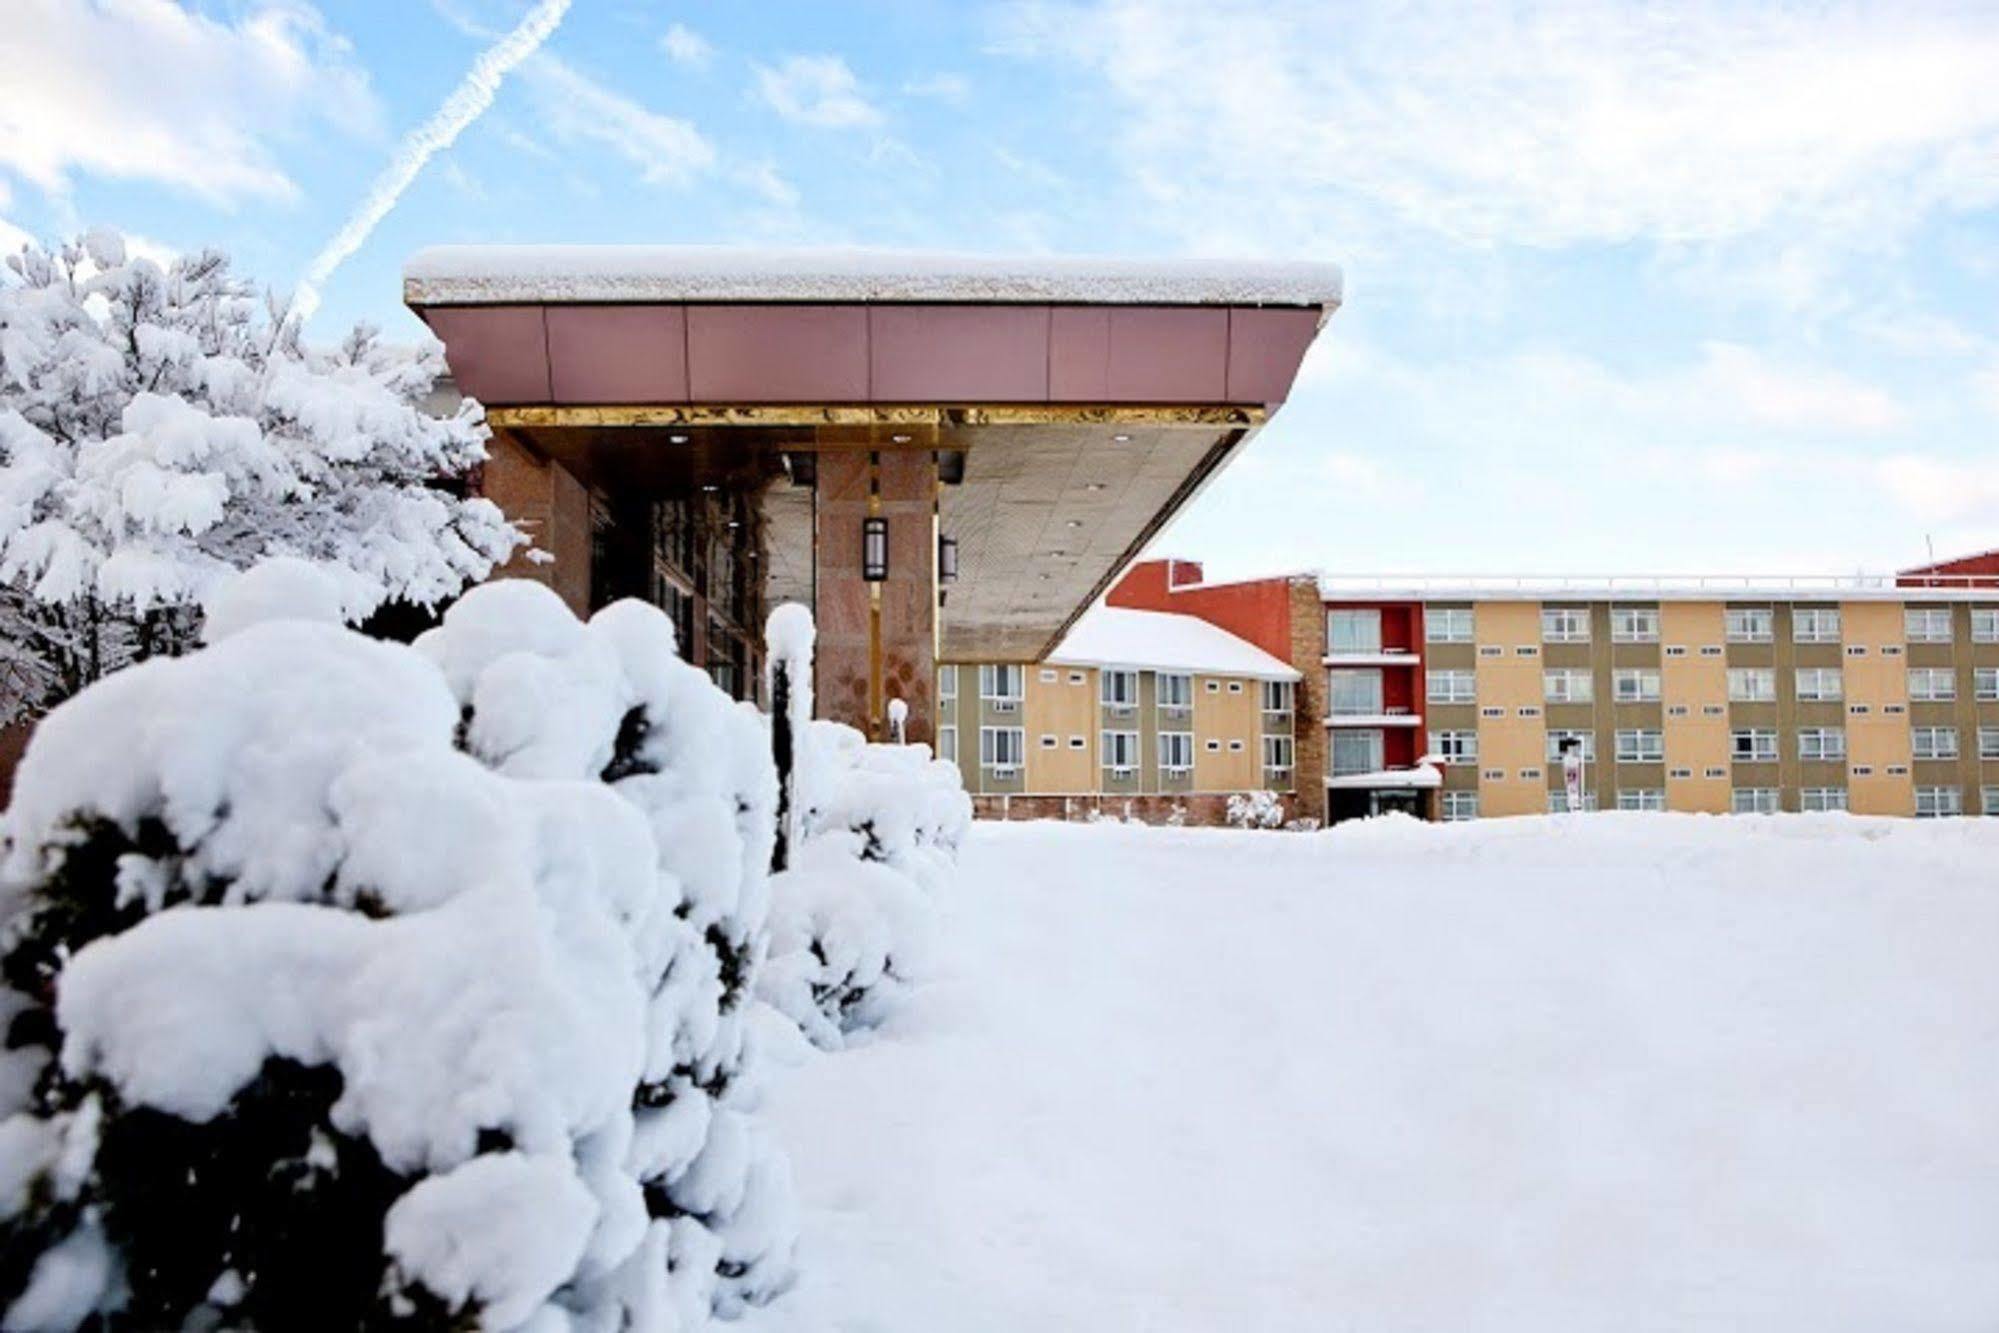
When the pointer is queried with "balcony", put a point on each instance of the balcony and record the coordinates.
(1391, 717)
(1377, 657)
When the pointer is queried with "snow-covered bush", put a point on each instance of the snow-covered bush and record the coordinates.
(1255, 809)
(160, 428)
(358, 986)
(877, 832)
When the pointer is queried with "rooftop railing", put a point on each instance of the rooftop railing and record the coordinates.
(1601, 585)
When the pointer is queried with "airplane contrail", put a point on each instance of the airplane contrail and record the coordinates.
(465, 105)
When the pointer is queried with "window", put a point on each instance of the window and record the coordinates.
(1530, 775)
(1214, 686)
(1460, 806)
(1236, 747)
(1175, 691)
(1932, 684)
(1451, 624)
(1934, 742)
(1276, 696)
(1820, 744)
(1586, 739)
(1989, 800)
(947, 682)
(1640, 746)
(1750, 624)
(1820, 685)
(1049, 675)
(1277, 753)
(1235, 687)
(1452, 687)
(947, 744)
(1676, 650)
(1711, 650)
(1754, 801)
(1354, 693)
(1641, 798)
(1633, 625)
(1356, 752)
(1822, 799)
(1118, 689)
(1212, 747)
(1856, 650)
(1528, 650)
(1558, 801)
(1926, 624)
(1988, 742)
(1985, 684)
(1985, 625)
(1076, 742)
(1530, 710)
(1938, 802)
(1568, 685)
(1564, 624)
(1455, 747)
(1753, 745)
(1353, 632)
(1120, 752)
(1815, 624)
(1002, 749)
(1752, 685)
(1001, 683)
(1176, 751)
(1047, 741)
(1076, 678)
(1635, 685)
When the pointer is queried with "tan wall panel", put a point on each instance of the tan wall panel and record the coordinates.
(1877, 740)
(1510, 680)
(1062, 710)
(1699, 740)
(1227, 717)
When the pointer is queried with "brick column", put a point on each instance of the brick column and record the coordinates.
(1308, 720)
(901, 486)
(554, 508)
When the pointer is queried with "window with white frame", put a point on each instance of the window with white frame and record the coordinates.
(1634, 624)
(1349, 630)
(1120, 752)
(1985, 624)
(1447, 624)
(1989, 800)
(1586, 739)
(1815, 624)
(1236, 746)
(1822, 800)
(1077, 678)
(1933, 742)
(1938, 802)
(1932, 684)
(1455, 747)
(1820, 685)
(1926, 624)
(1235, 687)
(1985, 684)
(1752, 685)
(1276, 696)
(1988, 742)
(1818, 744)
(947, 744)
(1048, 740)
(1452, 687)
(1558, 802)
(1460, 806)
(1176, 690)
(1641, 798)
(1565, 624)
(1002, 750)
(1753, 745)
(1640, 745)
(1755, 801)
(1001, 682)
(1118, 689)
(1635, 685)
(1568, 685)
(1750, 624)
(1277, 754)
(1356, 752)
(947, 682)
(1176, 751)
(1353, 692)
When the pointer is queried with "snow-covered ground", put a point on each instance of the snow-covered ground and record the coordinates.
(1633, 1072)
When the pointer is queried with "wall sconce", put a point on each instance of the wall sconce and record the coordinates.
(874, 549)
(947, 559)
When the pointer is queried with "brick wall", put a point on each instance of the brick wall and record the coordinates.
(1305, 647)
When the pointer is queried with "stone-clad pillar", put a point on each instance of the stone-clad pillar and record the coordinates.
(900, 485)
(1308, 704)
(552, 507)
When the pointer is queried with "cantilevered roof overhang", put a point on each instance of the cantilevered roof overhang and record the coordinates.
(1091, 398)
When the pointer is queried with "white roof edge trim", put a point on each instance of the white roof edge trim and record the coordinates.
(1116, 638)
(502, 274)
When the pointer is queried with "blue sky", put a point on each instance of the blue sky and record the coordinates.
(1628, 290)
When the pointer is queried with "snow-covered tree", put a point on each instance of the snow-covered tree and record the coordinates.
(1255, 809)
(160, 428)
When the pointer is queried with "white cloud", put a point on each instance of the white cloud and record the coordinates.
(817, 90)
(1943, 490)
(577, 109)
(945, 87)
(686, 47)
(147, 90)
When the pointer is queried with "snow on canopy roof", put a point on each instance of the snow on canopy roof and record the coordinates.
(1113, 636)
(481, 274)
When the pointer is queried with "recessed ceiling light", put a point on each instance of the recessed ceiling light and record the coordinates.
(1094, 486)
(898, 439)
(1057, 555)
(710, 486)
(1075, 522)
(676, 439)
(1120, 439)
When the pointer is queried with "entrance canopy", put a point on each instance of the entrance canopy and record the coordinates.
(1074, 404)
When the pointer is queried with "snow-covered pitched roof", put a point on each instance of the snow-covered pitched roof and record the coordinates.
(1113, 636)
(482, 274)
